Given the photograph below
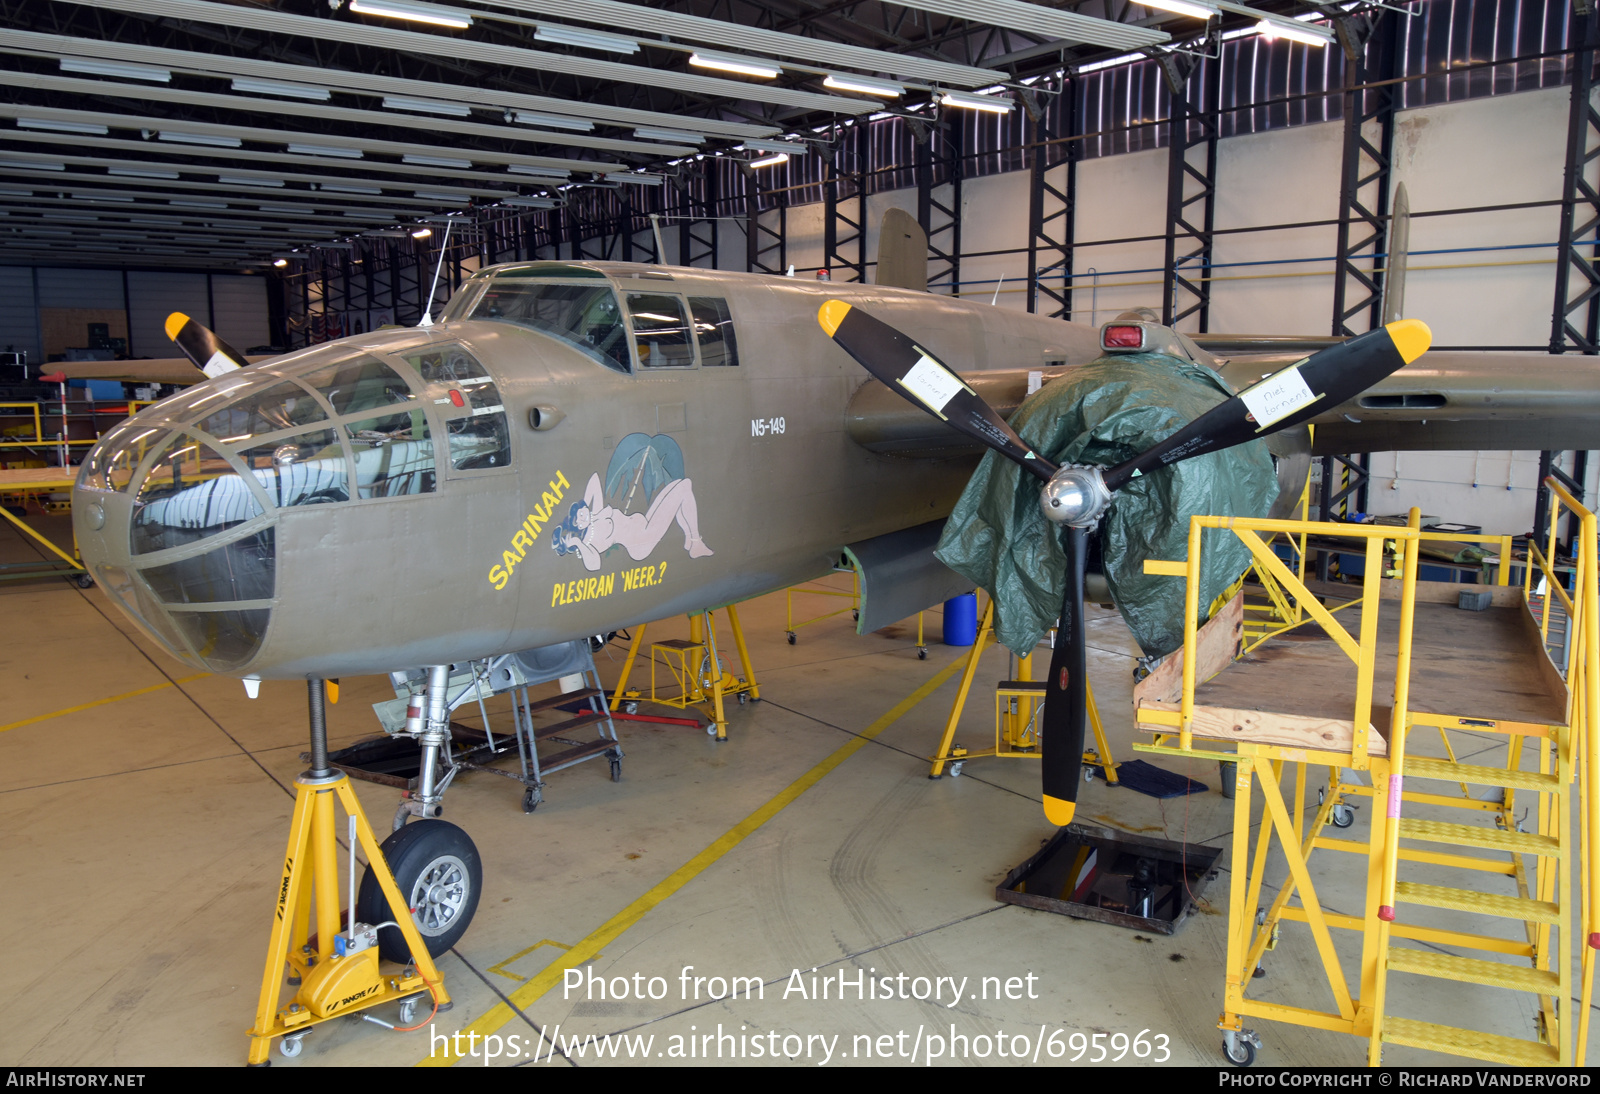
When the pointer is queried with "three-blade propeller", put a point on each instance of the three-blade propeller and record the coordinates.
(1078, 496)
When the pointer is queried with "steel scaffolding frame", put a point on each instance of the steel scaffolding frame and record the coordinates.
(1191, 188)
(1052, 209)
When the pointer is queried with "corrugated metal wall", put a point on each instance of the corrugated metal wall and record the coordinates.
(19, 312)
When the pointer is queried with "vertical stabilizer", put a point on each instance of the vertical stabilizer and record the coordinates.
(902, 252)
(1394, 267)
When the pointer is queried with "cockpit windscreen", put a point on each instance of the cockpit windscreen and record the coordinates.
(585, 317)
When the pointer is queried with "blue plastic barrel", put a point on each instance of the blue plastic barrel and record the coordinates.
(961, 620)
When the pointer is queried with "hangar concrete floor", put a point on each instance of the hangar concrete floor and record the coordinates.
(144, 810)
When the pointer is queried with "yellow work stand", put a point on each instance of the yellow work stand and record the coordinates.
(694, 669)
(1017, 704)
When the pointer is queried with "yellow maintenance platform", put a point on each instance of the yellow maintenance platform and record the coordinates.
(1470, 735)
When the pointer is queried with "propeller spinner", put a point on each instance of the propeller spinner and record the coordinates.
(1077, 496)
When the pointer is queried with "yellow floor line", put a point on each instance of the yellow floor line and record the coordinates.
(608, 932)
(102, 702)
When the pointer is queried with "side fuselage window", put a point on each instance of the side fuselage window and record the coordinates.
(466, 396)
(661, 331)
(713, 328)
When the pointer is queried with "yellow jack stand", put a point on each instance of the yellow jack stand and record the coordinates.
(695, 670)
(1017, 703)
(329, 985)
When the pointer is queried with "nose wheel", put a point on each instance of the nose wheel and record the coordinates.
(437, 867)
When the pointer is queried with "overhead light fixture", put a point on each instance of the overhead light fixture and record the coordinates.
(427, 106)
(416, 13)
(199, 138)
(539, 172)
(16, 193)
(586, 39)
(775, 147)
(100, 197)
(1193, 8)
(280, 262)
(344, 188)
(198, 204)
(91, 128)
(727, 62)
(116, 68)
(37, 165)
(522, 202)
(637, 178)
(435, 195)
(866, 85)
(768, 161)
(435, 161)
(325, 150)
(681, 135)
(552, 121)
(1113, 62)
(977, 102)
(422, 233)
(281, 208)
(231, 180)
(1294, 32)
(141, 173)
(281, 87)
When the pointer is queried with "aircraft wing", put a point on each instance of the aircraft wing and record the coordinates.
(162, 370)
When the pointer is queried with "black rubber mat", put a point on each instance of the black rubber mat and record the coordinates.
(1158, 782)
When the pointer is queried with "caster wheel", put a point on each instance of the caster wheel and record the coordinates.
(408, 1012)
(1088, 773)
(530, 800)
(922, 653)
(955, 769)
(616, 771)
(1343, 816)
(440, 875)
(290, 1046)
(630, 707)
(743, 698)
(856, 615)
(1242, 1052)
(791, 638)
(83, 581)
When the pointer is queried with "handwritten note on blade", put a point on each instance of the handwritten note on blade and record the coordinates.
(931, 382)
(1278, 396)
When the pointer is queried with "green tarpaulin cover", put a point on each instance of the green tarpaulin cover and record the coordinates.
(1104, 413)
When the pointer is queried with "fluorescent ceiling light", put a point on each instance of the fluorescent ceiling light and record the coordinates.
(230, 180)
(435, 161)
(1096, 66)
(434, 195)
(280, 87)
(91, 128)
(768, 161)
(116, 68)
(553, 121)
(141, 173)
(343, 188)
(866, 85)
(100, 197)
(539, 172)
(1294, 32)
(727, 62)
(529, 202)
(651, 134)
(637, 179)
(772, 146)
(427, 106)
(16, 193)
(281, 208)
(198, 204)
(416, 13)
(976, 102)
(572, 36)
(325, 150)
(1193, 8)
(37, 166)
(199, 138)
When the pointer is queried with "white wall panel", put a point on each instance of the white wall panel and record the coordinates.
(154, 296)
(80, 288)
(239, 309)
(1118, 197)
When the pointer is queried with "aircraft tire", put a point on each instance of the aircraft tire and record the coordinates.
(437, 869)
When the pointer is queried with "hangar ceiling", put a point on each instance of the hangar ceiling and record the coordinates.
(201, 132)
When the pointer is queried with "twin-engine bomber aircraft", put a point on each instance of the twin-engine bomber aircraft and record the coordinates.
(578, 447)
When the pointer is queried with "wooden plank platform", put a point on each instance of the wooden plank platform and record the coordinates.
(37, 478)
(1298, 690)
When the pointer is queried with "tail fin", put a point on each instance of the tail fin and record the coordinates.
(200, 345)
(1394, 267)
(902, 252)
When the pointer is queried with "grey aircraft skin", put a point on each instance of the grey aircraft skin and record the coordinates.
(508, 479)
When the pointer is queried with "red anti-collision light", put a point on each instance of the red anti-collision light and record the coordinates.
(1122, 338)
(455, 397)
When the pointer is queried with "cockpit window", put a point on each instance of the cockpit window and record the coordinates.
(475, 416)
(585, 317)
(394, 455)
(661, 330)
(305, 469)
(281, 406)
(190, 492)
(365, 383)
(111, 463)
(713, 327)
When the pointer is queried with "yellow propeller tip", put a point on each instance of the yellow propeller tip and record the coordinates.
(1411, 337)
(1059, 812)
(175, 323)
(831, 314)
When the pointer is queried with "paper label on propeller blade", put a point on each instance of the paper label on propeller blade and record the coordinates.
(218, 364)
(1277, 397)
(931, 382)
